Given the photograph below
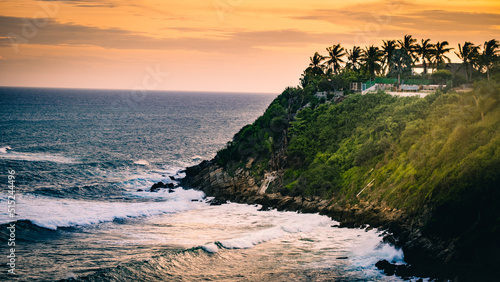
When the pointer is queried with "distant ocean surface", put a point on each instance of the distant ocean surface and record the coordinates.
(81, 159)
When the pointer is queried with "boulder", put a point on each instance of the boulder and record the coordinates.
(217, 201)
(157, 186)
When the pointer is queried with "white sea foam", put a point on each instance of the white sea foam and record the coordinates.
(132, 179)
(236, 226)
(210, 247)
(179, 175)
(178, 194)
(7, 153)
(296, 224)
(141, 162)
(52, 213)
(253, 239)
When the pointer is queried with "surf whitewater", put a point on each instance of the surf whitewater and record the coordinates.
(85, 161)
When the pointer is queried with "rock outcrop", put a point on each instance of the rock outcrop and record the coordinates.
(428, 257)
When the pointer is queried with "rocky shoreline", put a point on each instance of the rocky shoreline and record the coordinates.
(426, 256)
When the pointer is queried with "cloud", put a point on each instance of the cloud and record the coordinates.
(86, 3)
(449, 20)
(409, 19)
(55, 33)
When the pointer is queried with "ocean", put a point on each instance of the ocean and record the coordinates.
(76, 167)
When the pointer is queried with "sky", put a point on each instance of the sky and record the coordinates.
(211, 45)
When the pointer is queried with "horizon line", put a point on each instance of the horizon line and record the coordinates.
(148, 90)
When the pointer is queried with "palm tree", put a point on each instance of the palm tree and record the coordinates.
(439, 51)
(408, 44)
(425, 50)
(490, 55)
(401, 62)
(335, 53)
(316, 65)
(388, 49)
(372, 58)
(353, 57)
(467, 54)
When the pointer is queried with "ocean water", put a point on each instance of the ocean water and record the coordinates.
(83, 162)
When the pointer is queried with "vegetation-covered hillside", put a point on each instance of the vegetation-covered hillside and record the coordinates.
(434, 159)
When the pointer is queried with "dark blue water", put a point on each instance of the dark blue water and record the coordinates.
(70, 145)
(83, 162)
(65, 139)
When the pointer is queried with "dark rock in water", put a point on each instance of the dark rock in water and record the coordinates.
(389, 239)
(194, 200)
(265, 208)
(157, 186)
(172, 177)
(170, 185)
(140, 190)
(403, 271)
(171, 190)
(217, 202)
(388, 268)
(342, 258)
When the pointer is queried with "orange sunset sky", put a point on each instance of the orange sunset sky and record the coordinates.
(212, 45)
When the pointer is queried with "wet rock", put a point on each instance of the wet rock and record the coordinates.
(265, 208)
(285, 203)
(389, 239)
(217, 201)
(140, 190)
(404, 271)
(157, 186)
(388, 268)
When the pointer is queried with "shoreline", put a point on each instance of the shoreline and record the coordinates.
(425, 257)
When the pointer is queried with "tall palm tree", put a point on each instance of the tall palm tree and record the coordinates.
(490, 55)
(425, 50)
(316, 64)
(467, 54)
(388, 49)
(335, 54)
(372, 57)
(402, 63)
(439, 54)
(353, 57)
(408, 44)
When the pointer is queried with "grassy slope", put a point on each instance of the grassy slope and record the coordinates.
(435, 158)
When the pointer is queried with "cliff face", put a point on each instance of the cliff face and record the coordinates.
(427, 256)
(426, 170)
(242, 187)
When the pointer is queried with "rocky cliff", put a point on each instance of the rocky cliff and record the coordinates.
(426, 256)
(424, 170)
